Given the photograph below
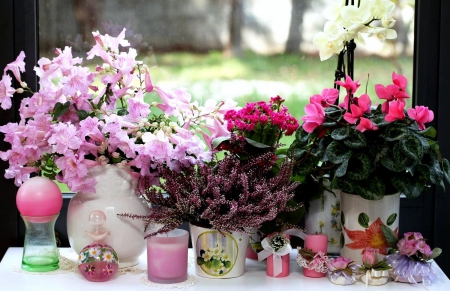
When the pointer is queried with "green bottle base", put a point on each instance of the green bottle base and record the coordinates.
(40, 263)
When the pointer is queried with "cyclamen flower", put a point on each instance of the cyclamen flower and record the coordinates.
(421, 114)
(327, 98)
(395, 111)
(365, 124)
(350, 85)
(315, 116)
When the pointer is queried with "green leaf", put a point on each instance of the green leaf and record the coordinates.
(430, 132)
(400, 159)
(342, 169)
(342, 240)
(217, 141)
(200, 261)
(363, 220)
(412, 148)
(82, 114)
(340, 133)
(379, 120)
(391, 219)
(122, 112)
(304, 167)
(215, 263)
(408, 185)
(436, 253)
(423, 141)
(436, 174)
(390, 236)
(301, 135)
(257, 144)
(371, 189)
(60, 109)
(389, 163)
(338, 153)
(342, 218)
(355, 140)
(446, 170)
(395, 131)
(359, 167)
(227, 264)
(208, 264)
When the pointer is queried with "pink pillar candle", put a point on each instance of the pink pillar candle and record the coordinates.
(317, 243)
(167, 257)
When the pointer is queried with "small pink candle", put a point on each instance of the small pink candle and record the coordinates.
(167, 257)
(317, 243)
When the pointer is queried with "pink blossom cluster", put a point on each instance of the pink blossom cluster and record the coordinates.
(261, 116)
(81, 118)
(357, 109)
(413, 244)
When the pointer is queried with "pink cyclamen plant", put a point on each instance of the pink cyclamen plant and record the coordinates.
(367, 149)
(111, 114)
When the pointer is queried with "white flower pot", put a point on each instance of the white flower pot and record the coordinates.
(115, 193)
(360, 224)
(218, 255)
(324, 216)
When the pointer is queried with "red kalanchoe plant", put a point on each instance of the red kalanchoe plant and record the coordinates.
(262, 122)
(230, 195)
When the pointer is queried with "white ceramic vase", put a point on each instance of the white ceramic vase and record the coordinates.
(218, 255)
(323, 216)
(115, 193)
(361, 220)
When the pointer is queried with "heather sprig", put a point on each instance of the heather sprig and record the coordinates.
(229, 195)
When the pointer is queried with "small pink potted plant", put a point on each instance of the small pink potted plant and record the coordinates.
(342, 271)
(374, 272)
(411, 258)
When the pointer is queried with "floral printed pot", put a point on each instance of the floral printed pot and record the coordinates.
(218, 255)
(361, 220)
(323, 216)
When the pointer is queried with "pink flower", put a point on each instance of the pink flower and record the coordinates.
(6, 92)
(327, 98)
(369, 256)
(16, 67)
(393, 91)
(354, 115)
(421, 115)
(395, 111)
(408, 247)
(315, 116)
(365, 124)
(412, 235)
(340, 263)
(64, 138)
(350, 85)
(138, 109)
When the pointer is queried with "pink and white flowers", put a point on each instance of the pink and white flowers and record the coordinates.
(81, 118)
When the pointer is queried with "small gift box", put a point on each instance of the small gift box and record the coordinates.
(276, 249)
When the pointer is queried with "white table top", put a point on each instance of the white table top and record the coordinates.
(254, 279)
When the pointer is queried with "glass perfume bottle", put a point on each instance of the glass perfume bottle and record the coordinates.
(39, 201)
(98, 262)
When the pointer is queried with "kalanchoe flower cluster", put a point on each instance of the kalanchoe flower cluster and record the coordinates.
(81, 118)
(350, 21)
(231, 195)
(262, 122)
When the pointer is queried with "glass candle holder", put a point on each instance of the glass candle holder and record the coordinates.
(40, 253)
(167, 257)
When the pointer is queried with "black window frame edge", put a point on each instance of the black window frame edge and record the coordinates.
(19, 31)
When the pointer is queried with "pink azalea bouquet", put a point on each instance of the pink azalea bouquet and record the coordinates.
(369, 148)
(411, 257)
(110, 114)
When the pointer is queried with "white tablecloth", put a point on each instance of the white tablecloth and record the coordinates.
(13, 279)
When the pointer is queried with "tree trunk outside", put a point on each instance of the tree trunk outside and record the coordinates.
(295, 37)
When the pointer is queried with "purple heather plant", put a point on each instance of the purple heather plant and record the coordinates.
(228, 195)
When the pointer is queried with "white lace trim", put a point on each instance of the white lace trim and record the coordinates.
(191, 281)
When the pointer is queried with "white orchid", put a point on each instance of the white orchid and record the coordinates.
(350, 22)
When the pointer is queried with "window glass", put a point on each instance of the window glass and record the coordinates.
(248, 50)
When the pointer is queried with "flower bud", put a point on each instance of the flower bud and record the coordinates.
(19, 90)
(23, 84)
